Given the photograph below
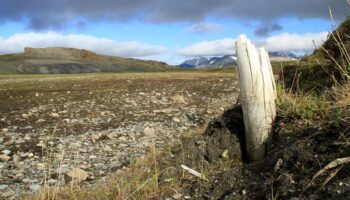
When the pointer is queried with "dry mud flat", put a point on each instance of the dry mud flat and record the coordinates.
(84, 127)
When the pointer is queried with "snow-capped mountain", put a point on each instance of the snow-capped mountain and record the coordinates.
(212, 62)
(227, 60)
(192, 63)
(284, 56)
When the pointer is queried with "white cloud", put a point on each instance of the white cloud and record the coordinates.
(209, 48)
(298, 42)
(17, 42)
(282, 42)
(204, 28)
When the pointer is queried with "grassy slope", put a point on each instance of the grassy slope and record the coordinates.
(9, 62)
(327, 66)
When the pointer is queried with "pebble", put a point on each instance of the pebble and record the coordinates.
(54, 115)
(176, 120)
(52, 181)
(177, 196)
(77, 173)
(35, 187)
(40, 166)
(9, 193)
(107, 148)
(5, 157)
(3, 187)
(4, 130)
(149, 131)
(6, 152)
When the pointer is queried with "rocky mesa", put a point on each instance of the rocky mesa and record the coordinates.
(59, 60)
(59, 53)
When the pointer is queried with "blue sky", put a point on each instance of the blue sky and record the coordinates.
(166, 31)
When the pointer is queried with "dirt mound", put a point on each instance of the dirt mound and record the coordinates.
(285, 173)
(59, 53)
(219, 141)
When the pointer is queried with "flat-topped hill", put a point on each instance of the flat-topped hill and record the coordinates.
(59, 60)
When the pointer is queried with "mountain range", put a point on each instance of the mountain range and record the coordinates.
(227, 60)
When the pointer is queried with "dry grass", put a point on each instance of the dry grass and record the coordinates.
(148, 178)
(139, 181)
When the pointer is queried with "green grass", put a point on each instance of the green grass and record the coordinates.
(12, 57)
(277, 66)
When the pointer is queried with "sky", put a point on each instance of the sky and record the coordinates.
(167, 30)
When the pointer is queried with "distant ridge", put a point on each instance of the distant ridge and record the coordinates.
(60, 60)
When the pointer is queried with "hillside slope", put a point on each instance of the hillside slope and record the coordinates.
(325, 67)
(58, 60)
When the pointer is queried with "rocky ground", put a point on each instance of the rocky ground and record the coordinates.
(54, 130)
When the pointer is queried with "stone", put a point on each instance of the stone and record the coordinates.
(177, 120)
(107, 148)
(149, 131)
(4, 157)
(178, 99)
(52, 181)
(122, 139)
(3, 187)
(40, 120)
(25, 115)
(4, 130)
(54, 115)
(177, 196)
(94, 138)
(278, 165)
(27, 137)
(9, 193)
(40, 166)
(35, 187)
(41, 144)
(77, 173)
(66, 120)
(6, 151)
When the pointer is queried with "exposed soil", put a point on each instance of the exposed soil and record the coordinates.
(286, 173)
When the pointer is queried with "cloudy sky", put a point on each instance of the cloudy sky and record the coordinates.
(167, 30)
